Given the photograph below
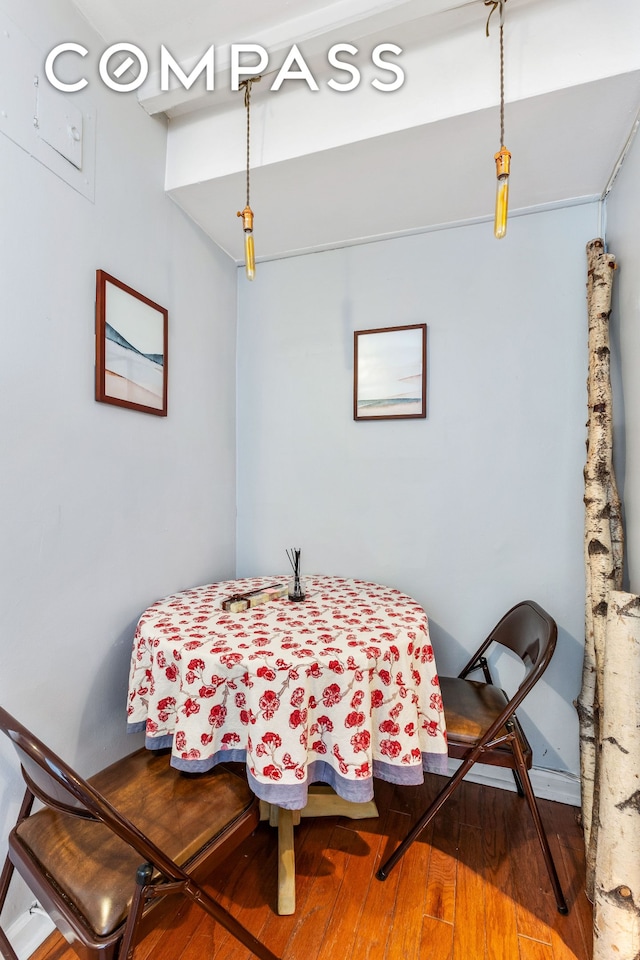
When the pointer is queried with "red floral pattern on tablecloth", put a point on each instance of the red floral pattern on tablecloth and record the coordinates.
(347, 677)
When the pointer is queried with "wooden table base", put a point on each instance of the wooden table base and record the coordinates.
(322, 802)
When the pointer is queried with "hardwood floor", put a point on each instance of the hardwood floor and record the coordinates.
(473, 888)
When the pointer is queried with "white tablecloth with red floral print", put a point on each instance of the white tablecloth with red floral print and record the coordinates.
(339, 688)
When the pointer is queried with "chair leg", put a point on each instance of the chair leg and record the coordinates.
(542, 836)
(518, 783)
(127, 945)
(7, 870)
(6, 949)
(5, 880)
(190, 889)
(425, 819)
(229, 922)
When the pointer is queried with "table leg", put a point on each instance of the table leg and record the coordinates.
(286, 863)
(322, 801)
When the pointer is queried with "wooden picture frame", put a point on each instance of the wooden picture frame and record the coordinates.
(390, 373)
(131, 347)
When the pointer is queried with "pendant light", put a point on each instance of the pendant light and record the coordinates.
(502, 157)
(247, 213)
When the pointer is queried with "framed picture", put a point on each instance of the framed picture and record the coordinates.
(390, 373)
(131, 348)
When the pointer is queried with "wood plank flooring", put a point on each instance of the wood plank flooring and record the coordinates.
(473, 888)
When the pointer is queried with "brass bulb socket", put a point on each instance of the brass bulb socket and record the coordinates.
(503, 163)
(247, 219)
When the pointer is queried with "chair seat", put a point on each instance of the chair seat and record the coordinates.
(182, 814)
(470, 707)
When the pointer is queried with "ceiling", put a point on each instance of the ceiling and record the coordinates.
(331, 168)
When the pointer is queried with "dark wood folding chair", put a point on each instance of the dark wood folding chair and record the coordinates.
(102, 852)
(482, 726)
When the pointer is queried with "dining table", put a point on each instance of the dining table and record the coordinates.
(316, 698)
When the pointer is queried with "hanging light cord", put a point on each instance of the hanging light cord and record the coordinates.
(494, 4)
(247, 102)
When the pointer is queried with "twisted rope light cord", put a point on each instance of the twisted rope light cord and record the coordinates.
(499, 4)
(247, 102)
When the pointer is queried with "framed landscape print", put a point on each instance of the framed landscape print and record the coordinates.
(131, 348)
(390, 373)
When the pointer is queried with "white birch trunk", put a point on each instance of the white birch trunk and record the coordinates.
(617, 887)
(603, 543)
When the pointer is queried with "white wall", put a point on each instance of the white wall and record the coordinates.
(623, 216)
(474, 508)
(104, 510)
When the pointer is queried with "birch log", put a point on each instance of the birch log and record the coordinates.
(617, 888)
(603, 541)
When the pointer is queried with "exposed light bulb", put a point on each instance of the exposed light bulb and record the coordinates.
(502, 206)
(249, 253)
(249, 257)
(503, 167)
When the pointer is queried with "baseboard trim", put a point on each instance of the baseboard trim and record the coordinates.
(29, 931)
(557, 785)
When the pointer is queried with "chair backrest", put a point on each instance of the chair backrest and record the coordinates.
(58, 786)
(47, 776)
(529, 632)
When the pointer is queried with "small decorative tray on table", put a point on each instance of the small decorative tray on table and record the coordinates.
(244, 601)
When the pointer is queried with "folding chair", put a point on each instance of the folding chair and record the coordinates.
(103, 852)
(482, 726)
